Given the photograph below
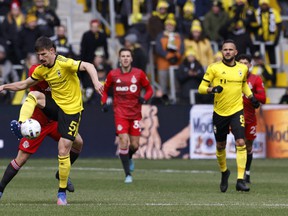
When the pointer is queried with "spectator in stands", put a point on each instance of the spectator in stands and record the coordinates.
(4, 8)
(28, 36)
(189, 75)
(11, 26)
(47, 19)
(103, 68)
(184, 22)
(169, 51)
(91, 40)
(218, 56)
(7, 75)
(138, 54)
(262, 69)
(202, 7)
(270, 25)
(284, 98)
(240, 26)
(156, 21)
(213, 21)
(63, 47)
(200, 44)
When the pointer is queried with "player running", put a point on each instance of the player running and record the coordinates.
(27, 147)
(257, 87)
(127, 83)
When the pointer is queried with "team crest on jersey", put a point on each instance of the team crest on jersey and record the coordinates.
(58, 73)
(240, 73)
(26, 144)
(118, 81)
(133, 80)
(119, 127)
(133, 88)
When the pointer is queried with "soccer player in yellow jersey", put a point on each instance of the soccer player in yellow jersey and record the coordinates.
(65, 105)
(227, 80)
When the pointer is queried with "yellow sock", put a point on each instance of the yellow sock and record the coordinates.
(241, 158)
(28, 107)
(64, 170)
(221, 158)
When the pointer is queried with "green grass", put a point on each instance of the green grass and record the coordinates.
(160, 187)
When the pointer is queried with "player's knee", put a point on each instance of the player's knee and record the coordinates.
(240, 142)
(78, 143)
(38, 95)
(221, 145)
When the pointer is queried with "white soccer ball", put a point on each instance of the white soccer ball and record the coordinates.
(30, 128)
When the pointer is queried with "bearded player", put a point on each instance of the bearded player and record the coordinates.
(127, 83)
(27, 147)
(257, 87)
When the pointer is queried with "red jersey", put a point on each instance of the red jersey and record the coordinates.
(257, 87)
(126, 92)
(43, 87)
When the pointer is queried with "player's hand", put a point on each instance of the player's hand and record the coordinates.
(104, 108)
(217, 89)
(99, 88)
(255, 102)
(142, 100)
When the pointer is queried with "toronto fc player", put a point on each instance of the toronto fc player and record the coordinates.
(257, 87)
(27, 147)
(127, 83)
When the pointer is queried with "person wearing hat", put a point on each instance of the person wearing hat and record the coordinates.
(200, 44)
(155, 23)
(28, 36)
(213, 21)
(138, 54)
(270, 26)
(189, 76)
(169, 50)
(184, 22)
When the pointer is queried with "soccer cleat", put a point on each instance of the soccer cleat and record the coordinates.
(241, 186)
(70, 186)
(61, 198)
(1, 193)
(128, 179)
(247, 179)
(224, 181)
(131, 165)
(16, 129)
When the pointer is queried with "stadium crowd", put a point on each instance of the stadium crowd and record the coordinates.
(186, 34)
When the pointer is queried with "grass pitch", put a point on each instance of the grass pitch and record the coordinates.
(160, 187)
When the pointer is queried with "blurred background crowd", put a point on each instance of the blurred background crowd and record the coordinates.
(173, 41)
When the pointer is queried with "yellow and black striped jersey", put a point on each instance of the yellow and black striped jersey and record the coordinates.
(64, 83)
(233, 80)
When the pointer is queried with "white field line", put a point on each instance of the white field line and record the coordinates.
(117, 169)
(264, 205)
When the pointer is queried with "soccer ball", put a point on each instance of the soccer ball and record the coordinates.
(30, 128)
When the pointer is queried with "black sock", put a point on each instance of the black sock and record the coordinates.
(125, 163)
(131, 152)
(9, 174)
(73, 158)
(249, 161)
(62, 190)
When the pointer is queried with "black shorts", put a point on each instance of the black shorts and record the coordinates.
(68, 124)
(222, 126)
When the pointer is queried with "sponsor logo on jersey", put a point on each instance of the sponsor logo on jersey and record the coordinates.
(119, 127)
(133, 88)
(122, 88)
(26, 144)
(133, 80)
(118, 81)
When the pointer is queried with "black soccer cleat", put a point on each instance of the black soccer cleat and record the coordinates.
(247, 179)
(224, 181)
(241, 186)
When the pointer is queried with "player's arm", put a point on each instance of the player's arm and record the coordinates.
(259, 92)
(91, 70)
(17, 86)
(107, 85)
(204, 87)
(147, 86)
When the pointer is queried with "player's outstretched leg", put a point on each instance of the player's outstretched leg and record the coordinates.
(131, 165)
(61, 198)
(124, 157)
(16, 129)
